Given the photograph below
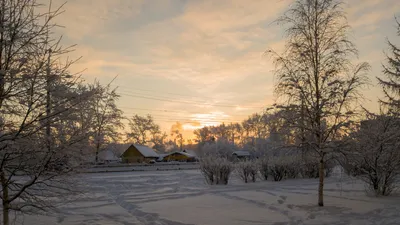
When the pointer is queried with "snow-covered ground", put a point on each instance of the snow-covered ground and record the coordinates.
(142, 167)
(181, 197)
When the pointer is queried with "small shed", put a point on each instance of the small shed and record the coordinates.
(179, 156)
(241, 154)
(139, 154)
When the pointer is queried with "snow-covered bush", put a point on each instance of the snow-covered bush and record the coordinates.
(292, 165)
(309, 168)
(263, 167)
(284, 167)
(329, 166)
(277, 168)
(216, 169)
(247, 170)
(277, 171)
(309, 164)
(374, 153)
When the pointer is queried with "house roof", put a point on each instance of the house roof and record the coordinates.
(182, 153)
(241, 153)
(186, 154)
(146, 151)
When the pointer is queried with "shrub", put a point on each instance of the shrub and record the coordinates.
(329, 166)
(292, 165)
(215, 169)
(277, 168)
(374, 155)
(263, 167)
(309, 169)
(284, 167)
(247, 170)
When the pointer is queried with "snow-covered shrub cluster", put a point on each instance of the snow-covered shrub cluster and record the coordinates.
(292, 164)
(277, 171)
(374, 154)
(281, 167)
(247, 170)
(216, 169)
(291, 167)
(309, 165)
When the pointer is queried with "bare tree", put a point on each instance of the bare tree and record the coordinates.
(391, 85)
(106, 116)
(142, 129)
(374, 153)
(176, 133)
(203, 136)
(160, 141)
(315, 73)
(40, 139)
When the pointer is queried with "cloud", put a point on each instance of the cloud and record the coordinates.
(83, 18)
(212, 49)
(215, 16)
(367, 14)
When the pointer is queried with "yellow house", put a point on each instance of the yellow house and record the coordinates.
(179, 156)
(139, 154)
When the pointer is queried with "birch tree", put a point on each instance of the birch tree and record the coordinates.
(315, 73)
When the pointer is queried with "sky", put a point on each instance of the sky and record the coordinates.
(201, 62)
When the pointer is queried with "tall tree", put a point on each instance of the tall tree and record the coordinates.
(176, 134)
(106, 116)
(39, 137)
(142, 129)
(160, 141)
(391, 85)
(203, 136)
(315, 73)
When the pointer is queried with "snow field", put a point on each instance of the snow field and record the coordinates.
(183, 198)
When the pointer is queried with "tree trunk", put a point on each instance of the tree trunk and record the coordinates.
(6, 204)
(321, 182)
(6, 220)
(97, 151)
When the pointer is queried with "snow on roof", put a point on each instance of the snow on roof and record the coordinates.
(241, 153)
(191, 152)
(146, 151)
(182, 153)
(187, 154)
(108, 155)
(161, 156)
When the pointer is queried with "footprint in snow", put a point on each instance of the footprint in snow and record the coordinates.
(283, 197)
(311, 216)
